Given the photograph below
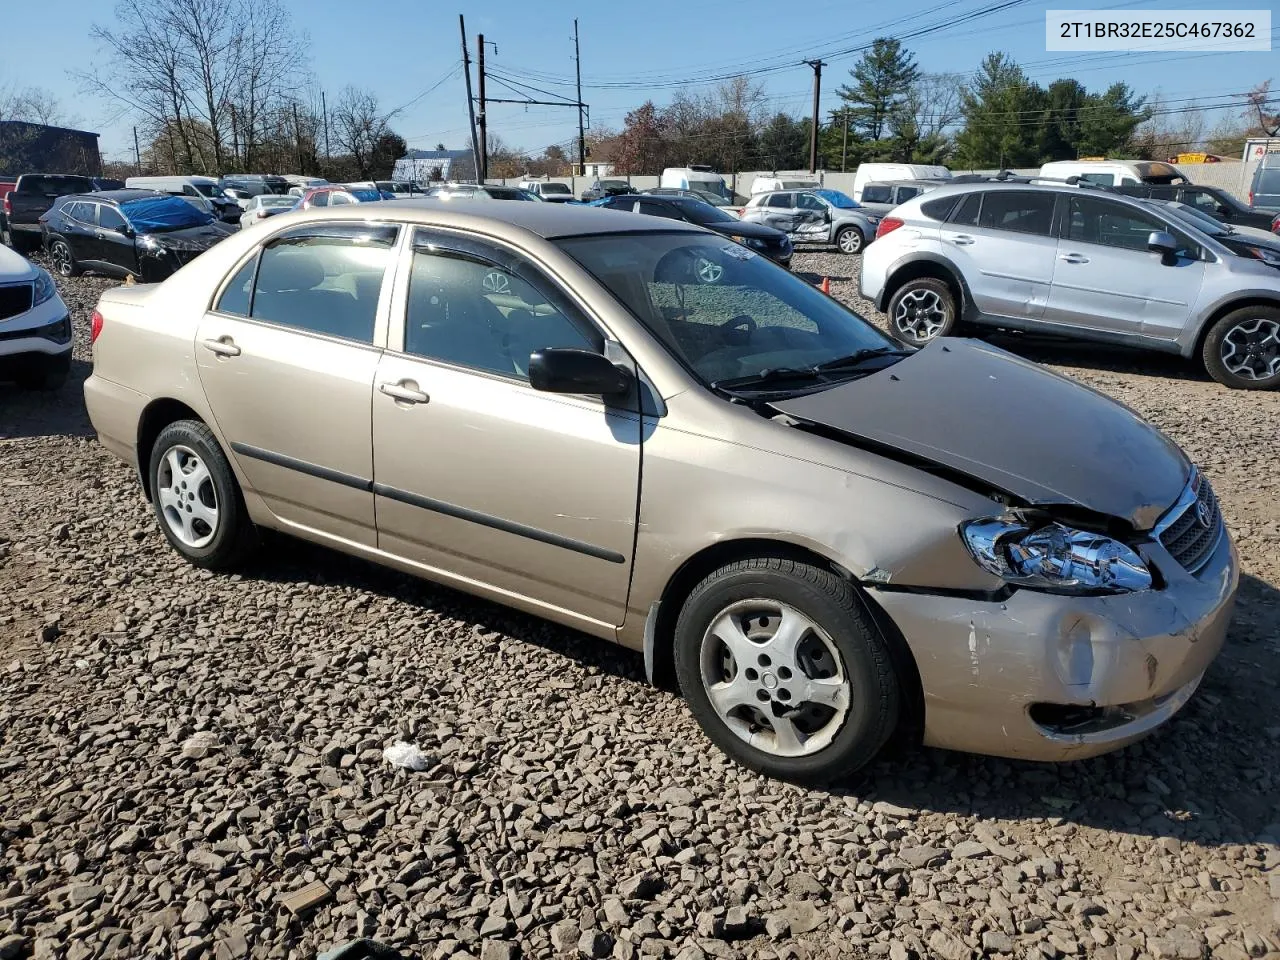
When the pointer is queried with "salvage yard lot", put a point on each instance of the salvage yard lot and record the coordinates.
(179, 750)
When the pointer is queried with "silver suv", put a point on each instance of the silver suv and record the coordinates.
(1079, 262)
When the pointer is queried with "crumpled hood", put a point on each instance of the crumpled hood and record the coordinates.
(1005, 421)
(192, 238)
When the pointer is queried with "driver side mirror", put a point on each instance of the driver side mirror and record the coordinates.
(125, 229)
(1163, 243)
(570, 370)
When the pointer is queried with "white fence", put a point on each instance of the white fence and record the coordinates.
(1233, 177)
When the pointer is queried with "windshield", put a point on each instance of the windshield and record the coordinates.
(836, 199)
(1268, 181)
(615, 185)
(161, 214)
(555, 188)
(210, 190)
(1194, 218)
(720, 308)
(700, 211)
(712, 198)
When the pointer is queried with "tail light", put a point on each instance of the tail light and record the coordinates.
(8, 205)
(888, 225)
(96, 328)
(1275, 225)
(1251, 198)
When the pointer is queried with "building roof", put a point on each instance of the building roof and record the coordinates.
(436, 155)
(47, 126)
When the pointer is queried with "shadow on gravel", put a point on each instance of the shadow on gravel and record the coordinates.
(54, 413)
(1098, 356)
(1205, 777)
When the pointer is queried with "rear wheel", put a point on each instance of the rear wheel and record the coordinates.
(197, 499)
(921, 310)
(63, 260)
(784, 670)
(850, 240)
(1242, 349)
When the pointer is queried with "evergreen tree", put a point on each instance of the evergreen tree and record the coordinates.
(1003, 114)
(884, 77)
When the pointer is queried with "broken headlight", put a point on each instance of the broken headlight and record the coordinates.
(1054, 557)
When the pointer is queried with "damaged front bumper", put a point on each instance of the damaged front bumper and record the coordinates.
(1039, 676)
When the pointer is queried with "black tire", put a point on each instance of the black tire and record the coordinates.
(63, 259)
(850, 241)
(914, 311)
(46, 377)
(833, 605)
(1236, 334)
(235, 535)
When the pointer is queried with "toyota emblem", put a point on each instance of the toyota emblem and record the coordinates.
(1204, 514)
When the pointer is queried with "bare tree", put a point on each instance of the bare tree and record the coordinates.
(356, 124)
(32, 104)
(1268, 121)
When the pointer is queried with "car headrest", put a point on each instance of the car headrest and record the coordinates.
(291, 270)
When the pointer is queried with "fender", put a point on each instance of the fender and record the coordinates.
(967, 308)
(1189, 339)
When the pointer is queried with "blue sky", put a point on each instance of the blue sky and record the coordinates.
(399, 52)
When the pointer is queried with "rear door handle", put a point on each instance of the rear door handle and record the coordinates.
(1073, 258)
(406, 391)
(224, 347)
(961, 239)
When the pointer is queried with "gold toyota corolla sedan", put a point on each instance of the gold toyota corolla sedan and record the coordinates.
(642, 430)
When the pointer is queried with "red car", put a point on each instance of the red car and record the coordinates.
(332, 196)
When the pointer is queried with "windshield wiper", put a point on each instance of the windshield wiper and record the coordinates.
(768, 375)
(858, 358)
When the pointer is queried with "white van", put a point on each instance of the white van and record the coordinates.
(1114, 173)
(695, 177)
(880, 172)
(785, 181)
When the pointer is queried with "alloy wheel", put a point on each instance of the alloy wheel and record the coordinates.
(775, 678)
(187, 496)
(1251, 349)
(63, 262)
(850, 241)
(920, 314)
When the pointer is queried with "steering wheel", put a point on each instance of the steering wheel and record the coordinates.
(739, 330)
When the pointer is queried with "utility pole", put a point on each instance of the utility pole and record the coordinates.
(844, 140)
(582, 137)
(297, 136)
(137, 154)
(471, 107)
(324, 109)
(481, 120)
(813, 134)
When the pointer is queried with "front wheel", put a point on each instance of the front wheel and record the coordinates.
(197, 499)
(784, 670)
(1242, 350)
(921, 310)
(850, 240)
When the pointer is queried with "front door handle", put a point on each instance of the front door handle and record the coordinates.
(406, 391)
(1073, 258)
(961, 239)
(223, 347)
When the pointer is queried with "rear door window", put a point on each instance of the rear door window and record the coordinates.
(966, 214)
(1018, 211)
(80, 211)
(656, 208)
(53, 185)
(323, 279)
(781, 200)
(876, 194)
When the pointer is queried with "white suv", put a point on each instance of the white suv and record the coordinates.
(1075, 261)
(35, 328)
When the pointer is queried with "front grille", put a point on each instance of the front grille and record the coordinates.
(16, 298)
(1192, 529)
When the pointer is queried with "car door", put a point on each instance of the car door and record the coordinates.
(478, 477)
(1004, 245)
(80, 229)
(777, 210)
(287, 358)
(813, 220)
(115, 243)
(1106, 279)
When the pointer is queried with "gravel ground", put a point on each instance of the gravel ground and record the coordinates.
(178, 751)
